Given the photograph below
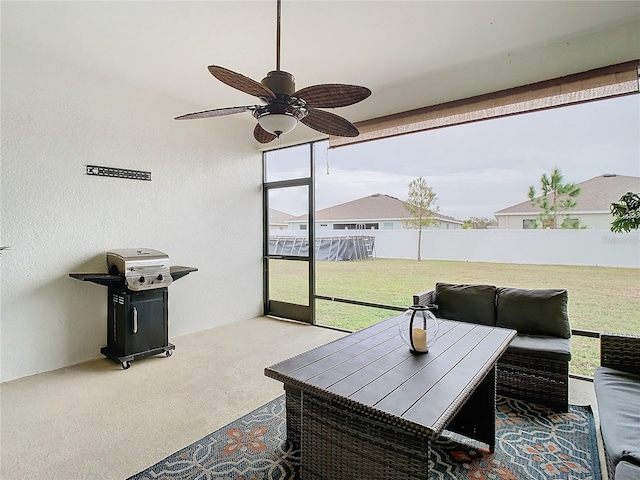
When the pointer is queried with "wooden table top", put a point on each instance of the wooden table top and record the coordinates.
(373, 371)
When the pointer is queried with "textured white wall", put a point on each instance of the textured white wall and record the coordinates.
(203, 207)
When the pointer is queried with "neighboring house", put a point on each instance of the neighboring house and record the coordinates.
(279, 220)
(375, 212)
(593, 205)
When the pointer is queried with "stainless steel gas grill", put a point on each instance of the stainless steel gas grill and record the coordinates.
(137, 302)
(142, 269)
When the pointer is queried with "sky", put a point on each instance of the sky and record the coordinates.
(474, 169)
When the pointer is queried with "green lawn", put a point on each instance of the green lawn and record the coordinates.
(600, 298)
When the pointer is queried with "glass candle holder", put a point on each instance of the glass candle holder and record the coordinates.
(419, 329)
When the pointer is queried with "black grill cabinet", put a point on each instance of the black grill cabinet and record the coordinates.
(137, 324)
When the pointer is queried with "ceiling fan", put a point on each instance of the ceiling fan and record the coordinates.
(283, 105)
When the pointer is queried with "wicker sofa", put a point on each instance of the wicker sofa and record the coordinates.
(535, 367)
(617, 386)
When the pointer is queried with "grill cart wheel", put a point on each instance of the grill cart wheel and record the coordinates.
(125, 365)
(168, 353)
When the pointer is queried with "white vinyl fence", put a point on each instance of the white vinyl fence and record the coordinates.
(552, 247)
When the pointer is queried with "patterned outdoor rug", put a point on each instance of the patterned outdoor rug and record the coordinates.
(531, 443)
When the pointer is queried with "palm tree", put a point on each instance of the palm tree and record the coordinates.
(557, 197)
(626, 213)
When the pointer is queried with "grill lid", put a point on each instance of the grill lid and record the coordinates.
(143, 268)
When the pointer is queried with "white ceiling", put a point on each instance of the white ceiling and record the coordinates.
(409, 53)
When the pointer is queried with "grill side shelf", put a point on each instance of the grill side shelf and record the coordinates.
(178, 271)
(100, 278)
(109, 280)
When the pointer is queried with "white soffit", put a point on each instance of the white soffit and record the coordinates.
(410, 53)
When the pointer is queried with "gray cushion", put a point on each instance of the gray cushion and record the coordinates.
(627, 471)
(617, 394)
(467, 303)
(533, 312)
(553, 348)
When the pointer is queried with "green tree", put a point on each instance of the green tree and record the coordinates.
(421, 206)
(479, 223)
(556, 199)
(626, 212)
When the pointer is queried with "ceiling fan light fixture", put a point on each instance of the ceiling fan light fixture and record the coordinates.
(284, 105)
(277, 123)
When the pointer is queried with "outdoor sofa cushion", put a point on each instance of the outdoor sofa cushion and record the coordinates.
(618, 393)
(551, 348)
(533, 312)
(466, 303)
(627, 471)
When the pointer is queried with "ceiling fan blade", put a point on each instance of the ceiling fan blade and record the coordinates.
(261, 135)
(218, 112)
(332, 95)
(330, 124)
(242, 83)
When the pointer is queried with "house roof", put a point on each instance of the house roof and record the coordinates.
(596, 195)
(277, 217)
(374, 207)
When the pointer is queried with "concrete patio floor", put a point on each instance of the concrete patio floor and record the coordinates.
(95, 420)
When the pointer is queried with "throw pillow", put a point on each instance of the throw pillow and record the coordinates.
(467, 303)
(534, 312)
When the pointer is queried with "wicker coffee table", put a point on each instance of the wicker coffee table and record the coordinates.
(364, 407)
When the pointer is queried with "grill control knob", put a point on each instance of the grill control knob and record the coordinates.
(160, 277)
(141, 279)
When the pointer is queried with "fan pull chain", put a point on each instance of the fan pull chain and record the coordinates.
(327, 160)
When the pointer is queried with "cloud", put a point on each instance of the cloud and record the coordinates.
(479, 168)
